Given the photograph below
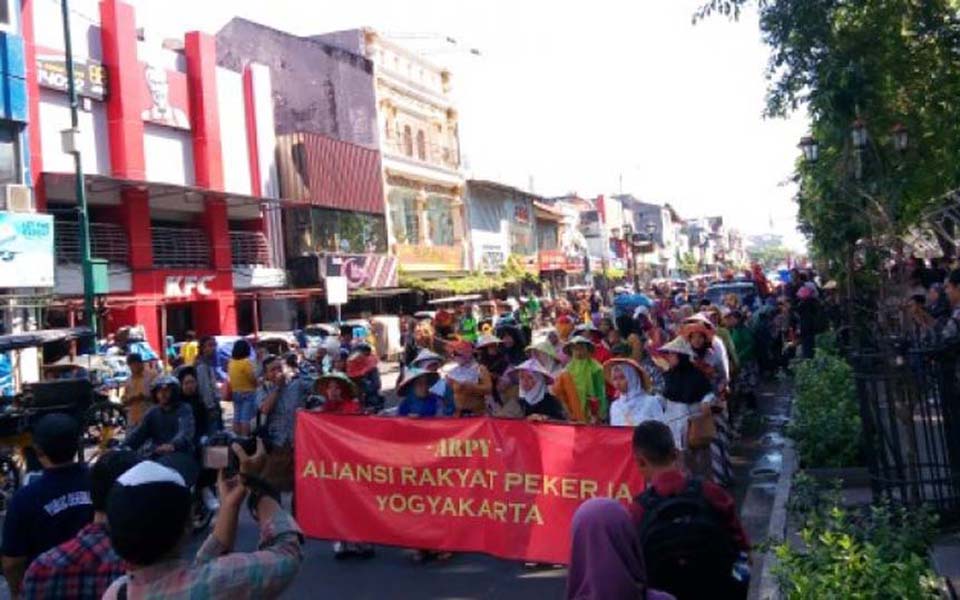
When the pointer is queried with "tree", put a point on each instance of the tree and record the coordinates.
(688, 264)
(884, 62)
(770, 257)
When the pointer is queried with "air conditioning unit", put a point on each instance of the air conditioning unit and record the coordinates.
(17, 198)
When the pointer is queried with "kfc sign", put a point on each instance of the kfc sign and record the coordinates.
(184, 286)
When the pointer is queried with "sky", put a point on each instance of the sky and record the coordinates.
(587, 97)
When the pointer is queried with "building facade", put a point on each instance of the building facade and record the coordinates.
(419, 142)
(501, 224)
(331, 172)
(179, 163)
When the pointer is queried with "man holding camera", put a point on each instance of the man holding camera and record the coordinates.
(278, 399)
(148, 512)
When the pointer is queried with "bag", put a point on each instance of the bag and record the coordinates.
(688, 550)
(701, 429)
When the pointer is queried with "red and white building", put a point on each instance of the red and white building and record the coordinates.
(178, 155)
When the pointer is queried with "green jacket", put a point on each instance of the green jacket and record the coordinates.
(743, 341)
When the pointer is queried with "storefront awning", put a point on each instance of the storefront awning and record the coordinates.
(330, 173)
(547, 212)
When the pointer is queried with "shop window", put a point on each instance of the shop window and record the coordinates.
(521, 239)
(547, 235)
(440, 219)
(326, 230)
(9, 151)
(404, 217)
(407, 140)
(421, 145)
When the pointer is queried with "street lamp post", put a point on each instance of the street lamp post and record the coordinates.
(860, 137)
(81, 191)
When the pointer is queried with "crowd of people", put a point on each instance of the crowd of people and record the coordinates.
(119, 528)
(674, 366)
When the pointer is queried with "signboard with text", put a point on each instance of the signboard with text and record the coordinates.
(26, 250)
(500, 486)
(90, 77)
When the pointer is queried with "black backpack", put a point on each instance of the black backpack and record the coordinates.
(687, 549)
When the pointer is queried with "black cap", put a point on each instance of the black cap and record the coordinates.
(57, 435)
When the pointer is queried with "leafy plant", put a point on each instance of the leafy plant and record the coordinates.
(826, 420)
(877, 554)
(512, 273)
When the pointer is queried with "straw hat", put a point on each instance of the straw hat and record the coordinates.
(486, 340)
(412, 375)
(575, 340)
(545, 347)
(346, 385)
(608, 366)
(532, 365)
(425, 356)
(678, 345)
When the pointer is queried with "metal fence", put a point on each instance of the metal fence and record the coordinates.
(910, 408)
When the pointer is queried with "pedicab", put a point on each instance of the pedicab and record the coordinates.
(70, 387)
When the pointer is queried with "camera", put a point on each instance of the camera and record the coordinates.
(218, 453)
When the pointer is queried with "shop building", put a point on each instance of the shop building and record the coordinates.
(501, 224)
(420, 146)
(180, 170)
(330, 171)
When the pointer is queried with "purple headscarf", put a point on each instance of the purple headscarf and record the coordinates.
(606, 562)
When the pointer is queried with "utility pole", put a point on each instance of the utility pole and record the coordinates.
(81, 188)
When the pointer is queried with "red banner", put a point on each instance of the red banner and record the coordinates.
(500, 486)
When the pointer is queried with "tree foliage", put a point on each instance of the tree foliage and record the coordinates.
(885, 62)
(770, 257)
(512, 273)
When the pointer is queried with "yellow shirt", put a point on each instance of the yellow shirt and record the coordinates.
(189, 351)
(242, 377)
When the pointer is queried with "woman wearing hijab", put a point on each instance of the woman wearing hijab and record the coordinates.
(706, 358)
(689, 393)
(537, 402)
(634, 403)
(606, 558)
(581, 387)
(545, 354)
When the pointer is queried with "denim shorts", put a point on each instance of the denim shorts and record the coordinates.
(244, 406)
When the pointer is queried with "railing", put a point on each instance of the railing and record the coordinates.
(431, 154)
(180, 247)
(249, 248)
(910, 411)
(107, 241)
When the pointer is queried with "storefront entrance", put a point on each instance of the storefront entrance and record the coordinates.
(179, 319)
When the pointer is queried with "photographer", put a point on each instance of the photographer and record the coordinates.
(278, 399)
(148, 512)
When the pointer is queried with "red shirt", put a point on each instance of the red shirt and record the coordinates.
(343, 407)
(671, 483)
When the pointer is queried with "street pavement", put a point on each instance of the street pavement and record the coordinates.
(392, 574)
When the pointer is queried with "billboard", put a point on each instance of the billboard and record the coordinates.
(90, 77)
(26, 250)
